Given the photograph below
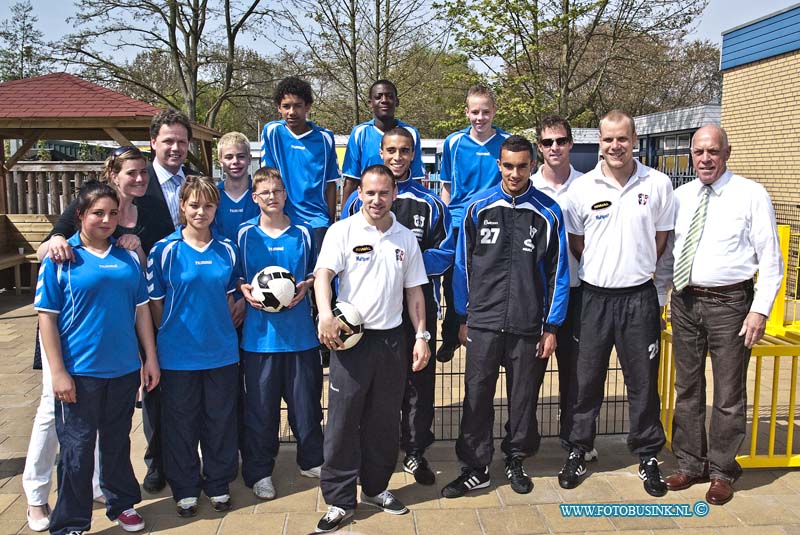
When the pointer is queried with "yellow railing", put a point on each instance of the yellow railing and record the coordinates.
(772, 385)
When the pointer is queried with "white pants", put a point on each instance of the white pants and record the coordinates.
(37, 478)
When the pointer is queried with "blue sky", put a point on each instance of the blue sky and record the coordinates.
(720, 15)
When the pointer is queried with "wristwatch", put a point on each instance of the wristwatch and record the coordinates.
(424, 335)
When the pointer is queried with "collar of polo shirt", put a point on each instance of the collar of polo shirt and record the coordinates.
(365, 224)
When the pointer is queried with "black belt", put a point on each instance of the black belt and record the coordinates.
(710, 290)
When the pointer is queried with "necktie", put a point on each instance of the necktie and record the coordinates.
(176, 180)
(683, 267)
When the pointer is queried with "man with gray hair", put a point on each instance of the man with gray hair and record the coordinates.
(724, 233)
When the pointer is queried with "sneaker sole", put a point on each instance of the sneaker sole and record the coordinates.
(136, 527)
(476, 487)
(390, 511)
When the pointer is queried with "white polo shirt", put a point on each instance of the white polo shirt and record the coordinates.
(619, 224)
(560, 196)
(374, 268)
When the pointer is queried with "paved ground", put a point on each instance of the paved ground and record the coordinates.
(767, 501)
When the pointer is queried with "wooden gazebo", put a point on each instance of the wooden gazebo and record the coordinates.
(63, 106)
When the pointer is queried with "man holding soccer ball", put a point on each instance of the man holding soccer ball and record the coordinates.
(378, 261)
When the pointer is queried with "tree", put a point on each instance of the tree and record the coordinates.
(22, 44)
(557, 55)
(197, 36)
(348, 44)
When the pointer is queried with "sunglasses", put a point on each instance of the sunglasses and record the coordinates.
(547, 142)
(119, 151)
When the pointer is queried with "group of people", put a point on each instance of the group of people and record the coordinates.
(531, 264)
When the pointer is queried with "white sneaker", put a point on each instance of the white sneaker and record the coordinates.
(264, 488)
(590, 456)
(312, 472)
(41, 524)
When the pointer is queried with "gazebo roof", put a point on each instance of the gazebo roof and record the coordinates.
(64, 106)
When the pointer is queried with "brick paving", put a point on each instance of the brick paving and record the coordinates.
(767, 502)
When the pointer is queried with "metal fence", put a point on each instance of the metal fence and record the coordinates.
(613, 418)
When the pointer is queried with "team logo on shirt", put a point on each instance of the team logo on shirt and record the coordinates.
(602, 204)
(528, 246)
(360, 249)
(643, 199)
(419, 220)
(399, 254)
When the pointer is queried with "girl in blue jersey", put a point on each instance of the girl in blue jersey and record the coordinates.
(191, 276)
(280, 350)
(90, 312)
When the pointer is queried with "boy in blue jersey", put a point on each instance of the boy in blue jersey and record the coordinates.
(236, 203)
(191, 275)
(305, 156)
(280, 350)
(469, 166)
(511, 288)
(418, 209)
(364, 144)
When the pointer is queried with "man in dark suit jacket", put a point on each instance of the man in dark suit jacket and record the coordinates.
(170, 135)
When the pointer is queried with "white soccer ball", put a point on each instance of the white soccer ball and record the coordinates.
(348, 315)
(274, 287)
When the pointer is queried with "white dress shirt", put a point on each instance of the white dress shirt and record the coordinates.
(739, 237)
(561, 197)
(170, 189)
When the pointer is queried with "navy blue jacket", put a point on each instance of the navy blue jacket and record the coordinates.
(511, 272)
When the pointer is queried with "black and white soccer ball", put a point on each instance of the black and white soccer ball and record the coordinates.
(274, 287)
(348, 315)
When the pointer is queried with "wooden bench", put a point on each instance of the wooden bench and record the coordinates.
(22, 232)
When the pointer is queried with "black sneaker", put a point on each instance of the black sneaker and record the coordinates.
(154, 481)
(520, 481)
(334, 518)
(418, 467)
(386, 502)
(650, 474)
(446, 352)
(570, 475)
(468, 480)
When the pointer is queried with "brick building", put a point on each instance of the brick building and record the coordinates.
(761, 101)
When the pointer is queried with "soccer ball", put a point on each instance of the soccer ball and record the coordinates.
(348, 315)
(274, 287)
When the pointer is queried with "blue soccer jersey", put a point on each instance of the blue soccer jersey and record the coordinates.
(95, 298)
(307, 164)
(233, 212)
(196, 330)
(364, 149)
(470, 167)
(291, 329)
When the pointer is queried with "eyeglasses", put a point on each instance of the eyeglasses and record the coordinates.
(272, 193)
(547, 142)
(119, 151)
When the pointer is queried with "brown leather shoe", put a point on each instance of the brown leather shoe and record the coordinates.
(720, 492)
(681, 481)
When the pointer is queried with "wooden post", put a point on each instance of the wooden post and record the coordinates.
(3, 179)
(41, 193)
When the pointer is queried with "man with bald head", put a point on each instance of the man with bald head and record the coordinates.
(724, 233)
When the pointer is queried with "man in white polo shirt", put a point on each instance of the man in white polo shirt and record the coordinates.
(619, 218)
(378, 262)
(724, 233)
(555, 177)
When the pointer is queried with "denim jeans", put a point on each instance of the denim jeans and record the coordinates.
(705, 324)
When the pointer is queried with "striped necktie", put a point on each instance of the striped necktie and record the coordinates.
(683, 267)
